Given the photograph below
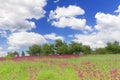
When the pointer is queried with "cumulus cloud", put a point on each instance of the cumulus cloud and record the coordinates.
(107, 30)
(70, 36)
(55, 1)
(70, 11)
(3, 34)
(20, 39)
(107, 22)
(2, 53)
(14, 14)
(67, 17)
(118, 10)
(95, 40)
(53, 36)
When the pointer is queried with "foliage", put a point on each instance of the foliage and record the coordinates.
(47, 49)
(58, 43)
(75, 47)
(63, 49)
(34, 50)
(12, 54)
(60, 47)
(100, 51)
(16, 53)
(113, 47)
(23, 53)
(86, 49)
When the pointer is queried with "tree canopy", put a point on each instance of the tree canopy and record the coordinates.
(61, 47)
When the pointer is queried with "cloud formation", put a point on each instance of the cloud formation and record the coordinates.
(14, 14)
(20, 39)
(67, 17)
(53, 36)
(3, 34)
(2, 53)
(55, 1)
(107, 30)
(118, 10)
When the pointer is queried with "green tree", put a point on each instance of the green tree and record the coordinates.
(47, 49)
(75, 47)
(86, 49)
(100, 51)
(113, 47)
(10, 55)
(16, 53)
(34, 50)
(58, 43)
(23, 53)
(63, 49)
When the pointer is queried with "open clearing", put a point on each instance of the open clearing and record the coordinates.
(66, 67)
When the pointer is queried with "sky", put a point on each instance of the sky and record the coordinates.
(27, 22)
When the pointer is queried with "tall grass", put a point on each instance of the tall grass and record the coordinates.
(95, 67)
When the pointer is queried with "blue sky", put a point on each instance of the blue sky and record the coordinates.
(27, 22)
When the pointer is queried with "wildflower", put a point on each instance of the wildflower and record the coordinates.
(114, 73)
(80, 74)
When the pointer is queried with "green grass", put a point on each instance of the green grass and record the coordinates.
(93, 67)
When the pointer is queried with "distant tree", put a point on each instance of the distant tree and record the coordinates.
(63, 49)
(47, 49)
(16, 53)
(86, 49)
(23, 53)
(34, 50)
(113, 47)
(100, 51)
(52, 48)
(58, 43)
(10, 55)
(75, 47)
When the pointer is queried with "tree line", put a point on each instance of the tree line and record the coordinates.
(61, 47)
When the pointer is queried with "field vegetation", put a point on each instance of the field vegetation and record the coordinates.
(62, 61)
(61, 67)
(60, 47)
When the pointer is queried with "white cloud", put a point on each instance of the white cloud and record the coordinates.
(3, 34)
(67, 17)
(70, 11)
(1, 48)
(107, 22)
(20, 39)
(71, 36)
(2, 53)
(95, 40)
(53, 36)
(74, 23)
(118, 10)
(107, 30)
(55, 1)
(14, 14)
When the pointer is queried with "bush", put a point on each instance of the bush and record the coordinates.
(100, 51)
(10, 55)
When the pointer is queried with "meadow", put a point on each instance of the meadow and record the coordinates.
(65, 67)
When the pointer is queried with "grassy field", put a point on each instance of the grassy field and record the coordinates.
(93, 67)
